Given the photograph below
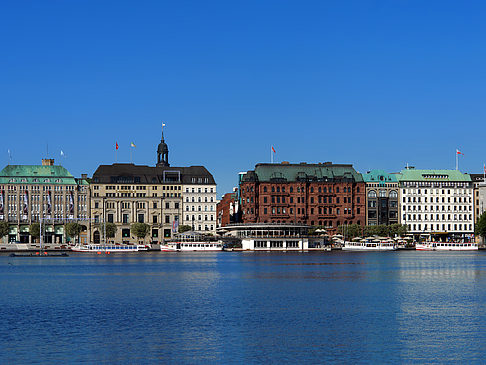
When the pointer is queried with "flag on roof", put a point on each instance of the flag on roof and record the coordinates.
(132, 144)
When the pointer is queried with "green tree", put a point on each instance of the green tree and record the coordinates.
(110, 229)
(34, 230)
(350, 230)
(3, 229)
(140, 230)
(184, 228)
(73, 229)
(480, 228)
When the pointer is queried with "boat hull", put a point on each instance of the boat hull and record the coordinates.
(110, 249)
(449, 246)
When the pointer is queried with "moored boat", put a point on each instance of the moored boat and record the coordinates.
(446, 246)
(108, 248)
(370, 244)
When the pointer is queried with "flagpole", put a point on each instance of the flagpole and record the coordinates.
(271, 155)
(130, 154)
(457, 161)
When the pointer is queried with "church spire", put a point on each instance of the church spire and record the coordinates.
(163, 151)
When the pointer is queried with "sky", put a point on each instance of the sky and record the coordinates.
(377, 84)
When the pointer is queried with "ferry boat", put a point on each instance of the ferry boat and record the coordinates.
(192, 241)
(369, 244)
(446, 246)
(108, 248)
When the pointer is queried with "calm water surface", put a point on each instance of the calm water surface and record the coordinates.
(413, 307)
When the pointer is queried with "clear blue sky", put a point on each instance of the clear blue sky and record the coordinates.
(373, 83)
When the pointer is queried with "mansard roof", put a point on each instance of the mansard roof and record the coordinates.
(127, 173)
(286, 172)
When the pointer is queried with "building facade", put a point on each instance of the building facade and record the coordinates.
(227, 209)
(382, 198)
(322, 194)
(437, 203)
(479, 182)
(46, 194)
(161, 196)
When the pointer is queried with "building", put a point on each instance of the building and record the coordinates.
(199, 193)
(44, 193)
(479, 183)
(227, 209)
(160, 196)
(323, 194)
(437, 203)
(382, 198)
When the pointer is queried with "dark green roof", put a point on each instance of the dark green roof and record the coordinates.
(36, 174)
(287, 172)
(379, 176)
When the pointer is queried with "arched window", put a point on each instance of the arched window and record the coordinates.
(382, 193)
(393, 194)
(372, 194)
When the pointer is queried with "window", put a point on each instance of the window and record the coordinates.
(372, 194)
(154, 219)
(167, 219)
(125, 218)
(154, 205)
(141, 218)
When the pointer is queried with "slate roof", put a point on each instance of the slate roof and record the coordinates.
(120, 173)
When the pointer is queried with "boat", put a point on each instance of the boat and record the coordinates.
(370, 244)
(108, 248)
(194, 241)
(167, 248)
(446, 246)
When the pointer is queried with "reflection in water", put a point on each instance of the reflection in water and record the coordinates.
(230, 307)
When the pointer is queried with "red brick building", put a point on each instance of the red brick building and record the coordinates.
(227, 209)
(321, 194)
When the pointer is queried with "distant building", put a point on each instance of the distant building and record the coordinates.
(437, 203)
(382, 198)
(47, 193)
(160, 196)
(323, 194)
(479, 195)
(227, 209)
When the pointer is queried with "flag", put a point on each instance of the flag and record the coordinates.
(116, 145)
(62, 153)
(484, 168)
(132, 144)
(273, 149)
(459, 152)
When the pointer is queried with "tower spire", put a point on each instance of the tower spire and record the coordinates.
(163, 151)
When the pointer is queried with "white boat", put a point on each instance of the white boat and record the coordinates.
(369, 245)
(167, 248)
(194, 241)
(446, 246)
(195, 246)
(108, 248)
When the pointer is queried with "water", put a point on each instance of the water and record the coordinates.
(342, 307)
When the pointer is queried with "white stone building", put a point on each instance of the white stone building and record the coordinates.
(437, 204)
(199, 199)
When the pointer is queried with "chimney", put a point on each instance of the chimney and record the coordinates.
(84, 176)
(47, 162)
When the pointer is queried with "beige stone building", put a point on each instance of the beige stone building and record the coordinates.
(126, 193)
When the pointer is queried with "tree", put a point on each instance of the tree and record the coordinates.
(3, 229)
(73, 229)
(140, 230)
(110, 229)
(350, 230)
(184, 228)
(34, 230)
(480, 228)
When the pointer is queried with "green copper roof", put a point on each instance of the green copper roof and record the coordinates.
(432, 175)
(379, 176)
(310, 172)
(36, 174)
